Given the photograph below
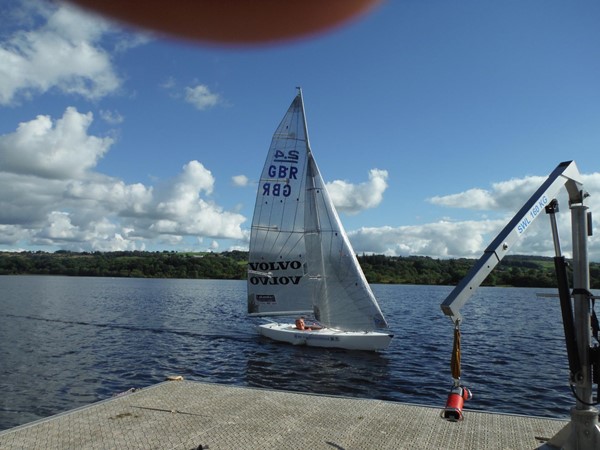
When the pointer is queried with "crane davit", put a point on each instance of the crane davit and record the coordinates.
(579, 319)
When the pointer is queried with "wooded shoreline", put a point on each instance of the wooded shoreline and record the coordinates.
(517, 270)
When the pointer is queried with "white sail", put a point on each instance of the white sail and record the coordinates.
(344, 300)
(277, 281)
(300, 257)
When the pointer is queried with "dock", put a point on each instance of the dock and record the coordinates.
(190, 415)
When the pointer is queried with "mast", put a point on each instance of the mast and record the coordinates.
(312, 226)
(304, 119)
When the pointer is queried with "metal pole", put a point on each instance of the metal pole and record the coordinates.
(585, 431)
(551, 210)
(581, 283)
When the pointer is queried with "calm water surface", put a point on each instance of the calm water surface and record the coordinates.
(67, 342)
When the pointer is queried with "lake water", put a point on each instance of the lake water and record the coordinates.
(67, 342)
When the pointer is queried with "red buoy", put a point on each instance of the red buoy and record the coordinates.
(454, 405)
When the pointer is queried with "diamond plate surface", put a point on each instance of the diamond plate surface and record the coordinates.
(184, 414)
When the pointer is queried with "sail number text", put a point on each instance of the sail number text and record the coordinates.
(282, 172)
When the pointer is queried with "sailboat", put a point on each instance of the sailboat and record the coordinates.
(300, 261)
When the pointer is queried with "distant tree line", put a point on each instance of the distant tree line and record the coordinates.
(133, 264)
(519, 271)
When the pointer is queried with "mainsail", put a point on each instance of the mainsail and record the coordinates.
(300, 258)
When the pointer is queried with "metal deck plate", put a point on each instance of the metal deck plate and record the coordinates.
(186, 414)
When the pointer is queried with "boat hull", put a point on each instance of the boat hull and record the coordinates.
(326, 337)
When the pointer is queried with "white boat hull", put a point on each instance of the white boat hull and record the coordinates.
(327, 337)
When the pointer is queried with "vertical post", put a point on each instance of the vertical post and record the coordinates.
(581, 284)
(585, 431)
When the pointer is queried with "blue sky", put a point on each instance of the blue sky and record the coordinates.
(432, 121)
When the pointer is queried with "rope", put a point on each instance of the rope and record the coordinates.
(455, 360)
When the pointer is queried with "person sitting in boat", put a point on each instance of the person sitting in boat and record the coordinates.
(302, 326)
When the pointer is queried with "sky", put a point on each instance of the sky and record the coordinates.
(432, 123)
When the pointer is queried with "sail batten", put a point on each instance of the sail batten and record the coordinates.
(297, 237)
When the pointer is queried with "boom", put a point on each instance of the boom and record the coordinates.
(565, 174)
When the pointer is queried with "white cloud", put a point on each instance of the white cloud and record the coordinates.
(63, 53)
(201, 97)
(353, 198)
(240, 180)
(132, 41)
(503, 195)
(111, 117)
(441, 239)
(59, 227)
(591, 183)
(110, 194)
(472, 199)
(25, 199)
(203, 218)
(52, 150)
(169, 84)
(12, 234)
(469, 238)
(50, 195)
(182, 195)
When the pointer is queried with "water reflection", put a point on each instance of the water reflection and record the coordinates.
(319, 371)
